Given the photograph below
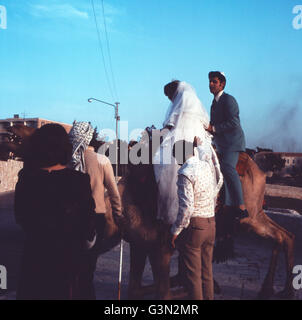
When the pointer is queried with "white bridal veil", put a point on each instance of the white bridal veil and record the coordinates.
(188, 118)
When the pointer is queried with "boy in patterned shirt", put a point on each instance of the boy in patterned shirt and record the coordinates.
(199, 181)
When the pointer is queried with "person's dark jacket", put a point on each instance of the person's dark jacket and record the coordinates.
(55, 210)
(228, 134)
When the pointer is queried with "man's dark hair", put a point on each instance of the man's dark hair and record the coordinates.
(181, 150)
(219, 75)
(171, 88)
(48, 146)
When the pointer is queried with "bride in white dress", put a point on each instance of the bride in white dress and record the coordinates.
(185, 119)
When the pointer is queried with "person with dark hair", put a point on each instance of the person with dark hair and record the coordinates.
(100, 170)
(48, 146)
(199, 181)
(229, 140)
(54, 207)
(219, 75)
(170, 89)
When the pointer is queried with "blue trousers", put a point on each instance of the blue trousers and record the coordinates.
(232, 184)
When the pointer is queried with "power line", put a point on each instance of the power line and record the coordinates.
(108, 49)
(101, 48)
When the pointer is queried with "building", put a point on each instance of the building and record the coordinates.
(293, 161)
(30, 122)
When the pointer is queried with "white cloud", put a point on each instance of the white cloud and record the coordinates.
(111, 11)
(66, 10)
(58, 11)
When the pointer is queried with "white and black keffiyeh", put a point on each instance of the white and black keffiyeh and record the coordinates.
(80, 136)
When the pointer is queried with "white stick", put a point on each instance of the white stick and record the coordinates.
(120, 272)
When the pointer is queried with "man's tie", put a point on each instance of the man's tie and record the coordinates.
(214, 103)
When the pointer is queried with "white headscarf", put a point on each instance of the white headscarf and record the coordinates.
(188, 118)
(187, 115)
(186, 100)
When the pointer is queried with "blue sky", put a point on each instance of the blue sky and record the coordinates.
(51, 61)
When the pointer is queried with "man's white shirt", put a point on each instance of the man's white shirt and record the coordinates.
(218, 95)
(196, 193)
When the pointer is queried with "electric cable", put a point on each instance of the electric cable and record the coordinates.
(101, 49)
(109, 53)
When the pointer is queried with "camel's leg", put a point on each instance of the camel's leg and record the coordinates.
(178, 279)
(137, 264)
(263, 226)
(267, 289)
(288, 291)
(175, 281)
(155, 266)
(217, 289)
(160, 263)
(288, 243)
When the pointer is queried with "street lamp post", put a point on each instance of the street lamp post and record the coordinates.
(117, 118)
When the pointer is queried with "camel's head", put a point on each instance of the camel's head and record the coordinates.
(21, 131)
(15, 140)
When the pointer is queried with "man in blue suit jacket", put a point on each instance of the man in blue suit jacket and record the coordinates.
(228, 138)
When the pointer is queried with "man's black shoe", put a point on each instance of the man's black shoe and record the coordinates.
(241, 214)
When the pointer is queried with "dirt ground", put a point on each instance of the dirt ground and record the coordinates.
(239, 279)
(284, 203)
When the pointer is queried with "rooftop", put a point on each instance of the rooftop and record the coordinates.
(282, 154)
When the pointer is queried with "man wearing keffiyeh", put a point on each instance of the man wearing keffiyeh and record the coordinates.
(100, 170)
(80, 136)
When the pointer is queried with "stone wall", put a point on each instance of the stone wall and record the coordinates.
(283, 191)
(291, 222)
(9, 174)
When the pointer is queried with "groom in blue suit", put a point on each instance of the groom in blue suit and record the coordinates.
(228, 138)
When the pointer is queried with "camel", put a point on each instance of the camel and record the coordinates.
(149, 238)
(16, 140)
(253, 186)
